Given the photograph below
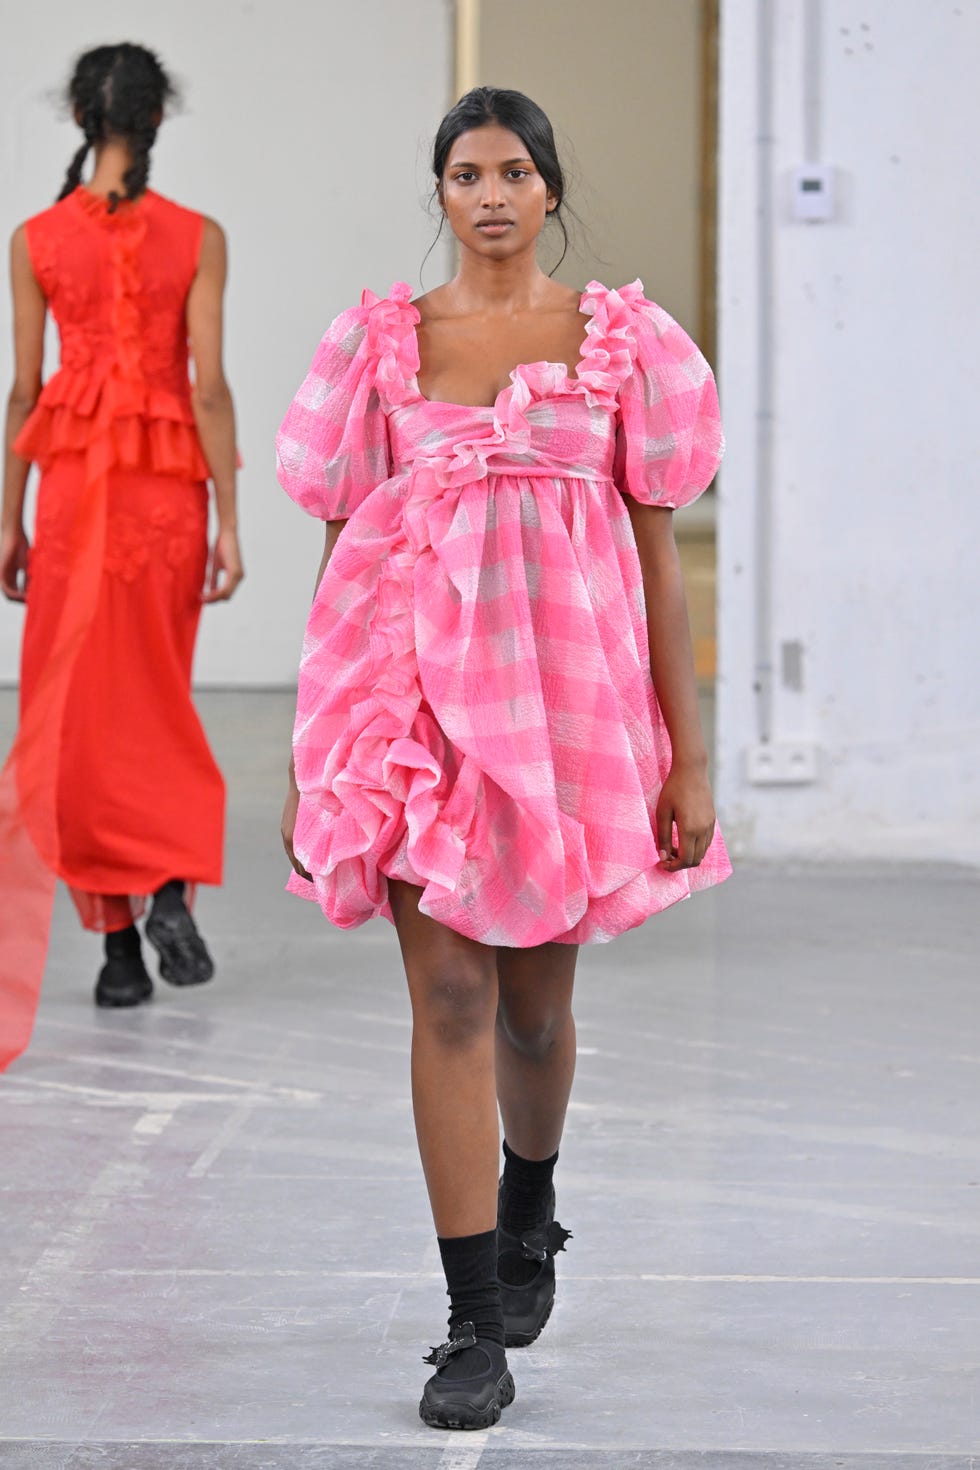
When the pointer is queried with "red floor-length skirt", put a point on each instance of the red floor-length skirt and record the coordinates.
(111, 785)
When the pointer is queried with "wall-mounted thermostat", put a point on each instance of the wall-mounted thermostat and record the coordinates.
(813, 192)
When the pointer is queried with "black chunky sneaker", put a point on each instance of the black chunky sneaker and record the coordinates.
(471, 1384)
(184, 958)
(526, 1272)
(123, 981)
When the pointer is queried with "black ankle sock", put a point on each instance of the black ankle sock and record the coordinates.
(170, 896)
(525, 1191)
(470, 1264)
(123, 944)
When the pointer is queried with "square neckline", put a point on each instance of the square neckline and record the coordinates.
(572, 377)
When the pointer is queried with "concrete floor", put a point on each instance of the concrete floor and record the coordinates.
(215, 1249)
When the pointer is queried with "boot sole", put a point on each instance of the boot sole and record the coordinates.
(465, 1416)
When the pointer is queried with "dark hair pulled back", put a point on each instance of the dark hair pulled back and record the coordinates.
(118, 91)
(517, 113)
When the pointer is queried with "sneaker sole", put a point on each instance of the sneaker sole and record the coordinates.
(173, 966)
(463, 1416)
(524, 1339)
(118, 1003)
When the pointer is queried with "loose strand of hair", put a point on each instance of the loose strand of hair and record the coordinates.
(435, 241)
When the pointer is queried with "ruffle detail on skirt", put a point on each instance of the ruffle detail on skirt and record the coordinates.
(378, 804)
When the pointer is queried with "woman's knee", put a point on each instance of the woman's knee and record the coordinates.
(455, 1002)
(531, 1031)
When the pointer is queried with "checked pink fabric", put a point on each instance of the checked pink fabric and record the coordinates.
(475, 711)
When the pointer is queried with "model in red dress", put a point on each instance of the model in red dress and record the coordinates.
(111, 785)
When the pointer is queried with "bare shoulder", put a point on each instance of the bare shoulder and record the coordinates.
(566, 303)
(213, 236)
(562, 298)
(432, 305)
(22, 274)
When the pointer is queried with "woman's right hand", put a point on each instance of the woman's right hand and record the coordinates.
(14, 556)
(289, 811)
(226, 567)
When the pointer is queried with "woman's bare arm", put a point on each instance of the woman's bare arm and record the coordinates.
(30, 309)
(332, 530)
(214, 410)
(686, 795)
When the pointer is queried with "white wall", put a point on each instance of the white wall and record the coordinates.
(305, 134)
(875, 484)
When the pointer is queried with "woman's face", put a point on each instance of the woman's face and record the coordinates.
(494, 198)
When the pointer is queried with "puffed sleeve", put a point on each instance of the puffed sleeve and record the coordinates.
(669, 441)
(332, 446)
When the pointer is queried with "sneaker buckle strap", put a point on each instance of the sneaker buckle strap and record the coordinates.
(538, 1245)
(460, 1338)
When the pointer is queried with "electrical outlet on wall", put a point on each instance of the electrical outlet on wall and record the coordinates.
(782, 763)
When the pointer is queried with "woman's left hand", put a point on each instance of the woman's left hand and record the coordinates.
(685, 801)
(226, 568)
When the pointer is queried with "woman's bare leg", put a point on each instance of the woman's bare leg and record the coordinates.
(535, 1045)
(452, 982)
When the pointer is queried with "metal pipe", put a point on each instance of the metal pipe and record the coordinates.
(812, 27)
(467, 45)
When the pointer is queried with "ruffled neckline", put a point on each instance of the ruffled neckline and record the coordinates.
(606, 359)
(96, 206)
(505, 426)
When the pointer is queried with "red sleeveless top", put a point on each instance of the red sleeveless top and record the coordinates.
(117, 286)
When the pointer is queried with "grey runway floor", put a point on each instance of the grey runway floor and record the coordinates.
(216, 1252)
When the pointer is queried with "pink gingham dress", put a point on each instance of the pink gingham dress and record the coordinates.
(475, 711)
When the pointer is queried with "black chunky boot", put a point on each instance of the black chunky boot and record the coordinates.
(123, 979)
(471, 1384)
(526, 1270)
(184, 958)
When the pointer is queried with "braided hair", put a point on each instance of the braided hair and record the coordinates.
(118, 91)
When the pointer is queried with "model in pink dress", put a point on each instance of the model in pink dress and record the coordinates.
(480, 750)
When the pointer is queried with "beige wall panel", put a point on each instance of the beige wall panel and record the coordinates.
(621, 83)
